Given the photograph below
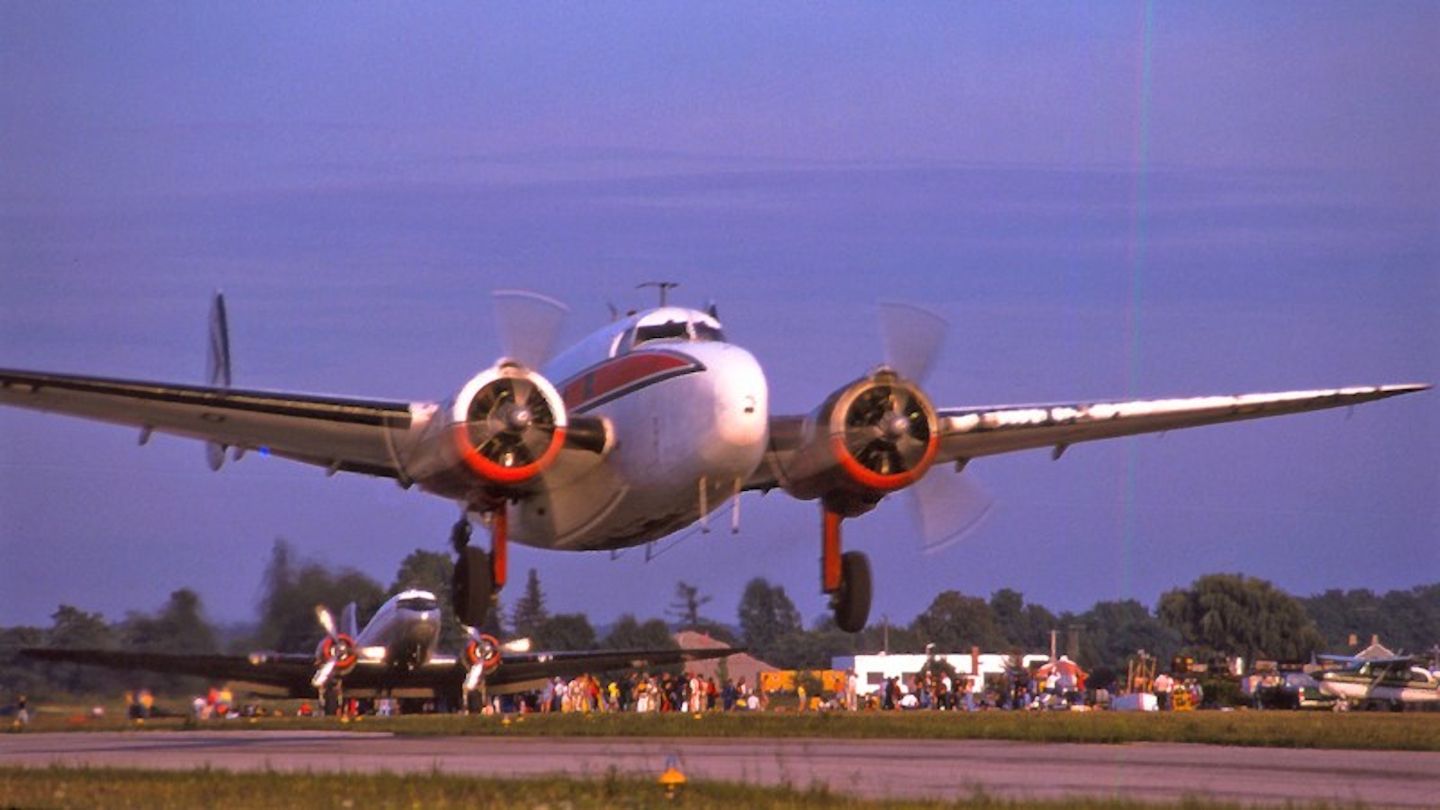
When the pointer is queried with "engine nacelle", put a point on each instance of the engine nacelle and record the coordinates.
(871, 437)
(504, 428)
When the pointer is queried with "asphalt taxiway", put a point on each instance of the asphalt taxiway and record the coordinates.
(871, 768)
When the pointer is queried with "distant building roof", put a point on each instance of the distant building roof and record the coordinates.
(1376, 650)
(740, 665)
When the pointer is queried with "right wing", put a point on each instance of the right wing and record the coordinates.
(971, 432)
(967, 433)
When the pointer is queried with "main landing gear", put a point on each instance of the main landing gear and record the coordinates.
(479, 576)
(845, 577)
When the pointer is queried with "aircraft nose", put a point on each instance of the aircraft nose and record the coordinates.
(741, 400)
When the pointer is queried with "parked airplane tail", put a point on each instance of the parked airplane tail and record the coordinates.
(349, 623)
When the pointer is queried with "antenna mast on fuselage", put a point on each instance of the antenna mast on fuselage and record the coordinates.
(663, 286)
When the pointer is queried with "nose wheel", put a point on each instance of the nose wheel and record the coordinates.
(845, 576)
(479, 576)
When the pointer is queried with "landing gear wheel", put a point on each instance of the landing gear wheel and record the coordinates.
(471, 588)
(460, 535)
(852, 602)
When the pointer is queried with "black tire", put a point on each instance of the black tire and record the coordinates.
(460, 535)
(471, 587)
(852, 601)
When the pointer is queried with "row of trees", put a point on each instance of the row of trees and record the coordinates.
(1217, 614)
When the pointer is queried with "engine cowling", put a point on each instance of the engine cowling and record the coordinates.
(869, 438)
(340, 649)
(483, 651)
(504, 428)
(509, 424)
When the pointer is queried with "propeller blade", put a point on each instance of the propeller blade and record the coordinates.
(322, 675)
(528, 323)
(326, 620)
(912, 337)
(516, 645)
(947, 505)
(472, 677)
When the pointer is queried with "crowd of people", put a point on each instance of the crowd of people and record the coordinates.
(637, 692)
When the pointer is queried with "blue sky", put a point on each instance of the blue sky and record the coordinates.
(1104, 199)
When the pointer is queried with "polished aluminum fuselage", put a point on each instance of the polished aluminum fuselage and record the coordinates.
(401, 635)
(690, 415)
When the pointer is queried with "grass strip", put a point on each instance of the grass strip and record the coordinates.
(1418, 731)
(121, 789)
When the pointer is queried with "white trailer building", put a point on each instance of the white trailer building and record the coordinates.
(872, 670)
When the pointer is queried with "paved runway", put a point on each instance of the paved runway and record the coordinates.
(872, 768)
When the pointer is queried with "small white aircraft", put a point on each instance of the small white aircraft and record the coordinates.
(1394, 681)
(395, 654)
(652, 423)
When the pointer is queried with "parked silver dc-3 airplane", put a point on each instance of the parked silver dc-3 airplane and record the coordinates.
(652, 422)
(394, 654)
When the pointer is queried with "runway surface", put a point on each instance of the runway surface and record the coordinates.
(871, 768)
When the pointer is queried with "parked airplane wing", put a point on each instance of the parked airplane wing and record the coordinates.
(530, 666)
(968, 433)
(340, 433)
(285, 670)
(293, 671)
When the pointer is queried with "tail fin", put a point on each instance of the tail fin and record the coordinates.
(349, 625)
(217, 368)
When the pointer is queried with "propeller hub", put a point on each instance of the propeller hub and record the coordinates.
(518, 417)
(894, 425)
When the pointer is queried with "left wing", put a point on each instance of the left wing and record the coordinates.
(339, 433)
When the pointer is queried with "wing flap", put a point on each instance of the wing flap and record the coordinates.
(968, 433)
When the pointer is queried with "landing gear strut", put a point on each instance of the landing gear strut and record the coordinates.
(845, 577)
(478, 576)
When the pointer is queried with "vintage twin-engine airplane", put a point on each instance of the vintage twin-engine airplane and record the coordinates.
(395, 654)
(654, 421)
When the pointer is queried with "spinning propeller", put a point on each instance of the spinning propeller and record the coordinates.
(891, 431)
(510, 423)
(483, 654)
(337, 651)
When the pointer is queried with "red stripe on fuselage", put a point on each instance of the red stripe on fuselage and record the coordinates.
(611, 378)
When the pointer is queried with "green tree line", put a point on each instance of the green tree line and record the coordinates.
(1217, 614)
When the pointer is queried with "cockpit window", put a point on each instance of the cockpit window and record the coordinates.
(417, 603)
(661, 331)
(704, 331)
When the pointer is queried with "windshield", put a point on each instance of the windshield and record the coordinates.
(417, 603)
(704, 331)
(661, 331)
